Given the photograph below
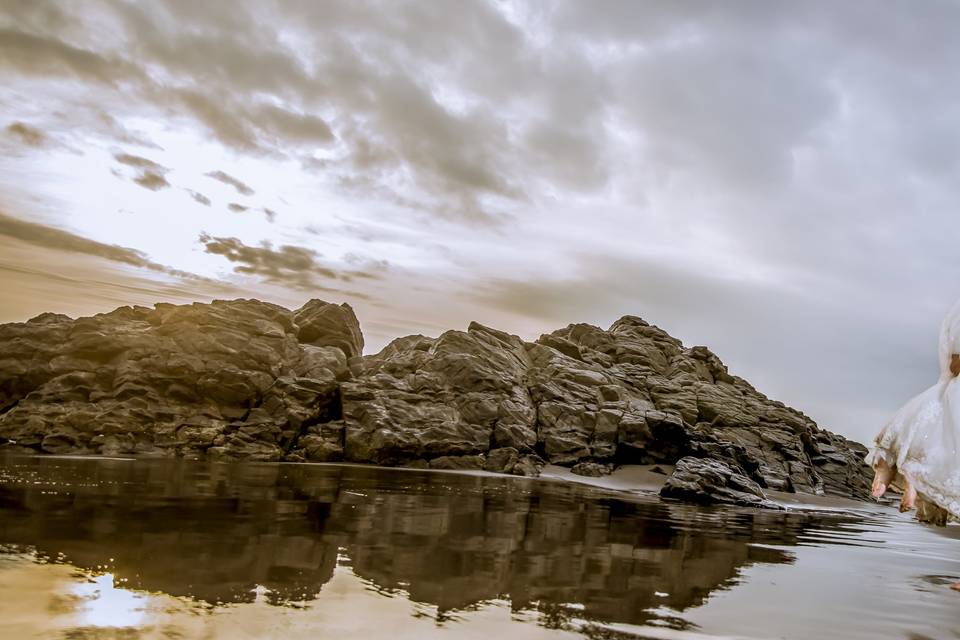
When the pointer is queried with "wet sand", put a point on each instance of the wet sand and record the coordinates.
(635, 478)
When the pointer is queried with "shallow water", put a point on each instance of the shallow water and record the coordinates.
(101, 548)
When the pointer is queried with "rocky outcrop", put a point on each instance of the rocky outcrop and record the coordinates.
(247, 379)
(707, 481)
(227, 379)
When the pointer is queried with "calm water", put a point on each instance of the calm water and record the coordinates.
(94, 548)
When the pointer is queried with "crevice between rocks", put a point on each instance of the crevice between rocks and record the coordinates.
(11, 406)
(255, 404)
(332, 411)
(539, 447)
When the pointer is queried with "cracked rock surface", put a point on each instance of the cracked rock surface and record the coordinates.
(707, 481)
(245, 379)
(227, 379)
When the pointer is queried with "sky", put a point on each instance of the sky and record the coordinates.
(775, 180)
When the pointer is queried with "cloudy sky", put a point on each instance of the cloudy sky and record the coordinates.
(776, 180)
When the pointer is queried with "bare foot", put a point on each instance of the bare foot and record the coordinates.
(909, 498)
(955, 586)
(883, 474)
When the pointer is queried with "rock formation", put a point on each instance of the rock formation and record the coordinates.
(245, 379)
(707, 481)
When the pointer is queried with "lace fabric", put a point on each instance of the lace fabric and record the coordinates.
(921, 438)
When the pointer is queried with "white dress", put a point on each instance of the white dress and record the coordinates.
(921, 439)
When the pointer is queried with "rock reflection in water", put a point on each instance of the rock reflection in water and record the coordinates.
(216, 532)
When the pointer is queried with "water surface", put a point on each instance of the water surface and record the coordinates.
(108, 548)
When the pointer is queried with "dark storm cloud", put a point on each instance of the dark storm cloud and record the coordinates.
(390, 130)
(472, 109)
(265, 260)
(139, 162)
(251, 127)
(151, 180)
(283, 124)
(242, 188)
(151, 175)
(33, 54)
(297, 267)
(30, 136)
(199, 197)
(109, 127)
(488, 104)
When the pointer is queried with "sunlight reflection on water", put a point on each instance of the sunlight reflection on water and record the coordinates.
(163, 549)
(103, 605)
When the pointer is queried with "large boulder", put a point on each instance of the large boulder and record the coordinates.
(706, 481)
(230, 379)
(461, 394)
(329, 325)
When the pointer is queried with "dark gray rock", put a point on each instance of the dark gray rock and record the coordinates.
(460, 394)
(502, 460)
(322, 442)
(592, 469)
(244, 379)
(529, 466)
(706, 481)
(229, 379)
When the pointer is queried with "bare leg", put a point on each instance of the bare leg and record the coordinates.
(909, 497)
(883, 474)
(955, 586)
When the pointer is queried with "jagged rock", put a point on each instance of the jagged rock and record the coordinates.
(592, 469)
(529, 466)
(328, 325)
(228, 379)
(707, 481)
(322, 442)
(460, 394)
(502, 460)
(245, 379)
